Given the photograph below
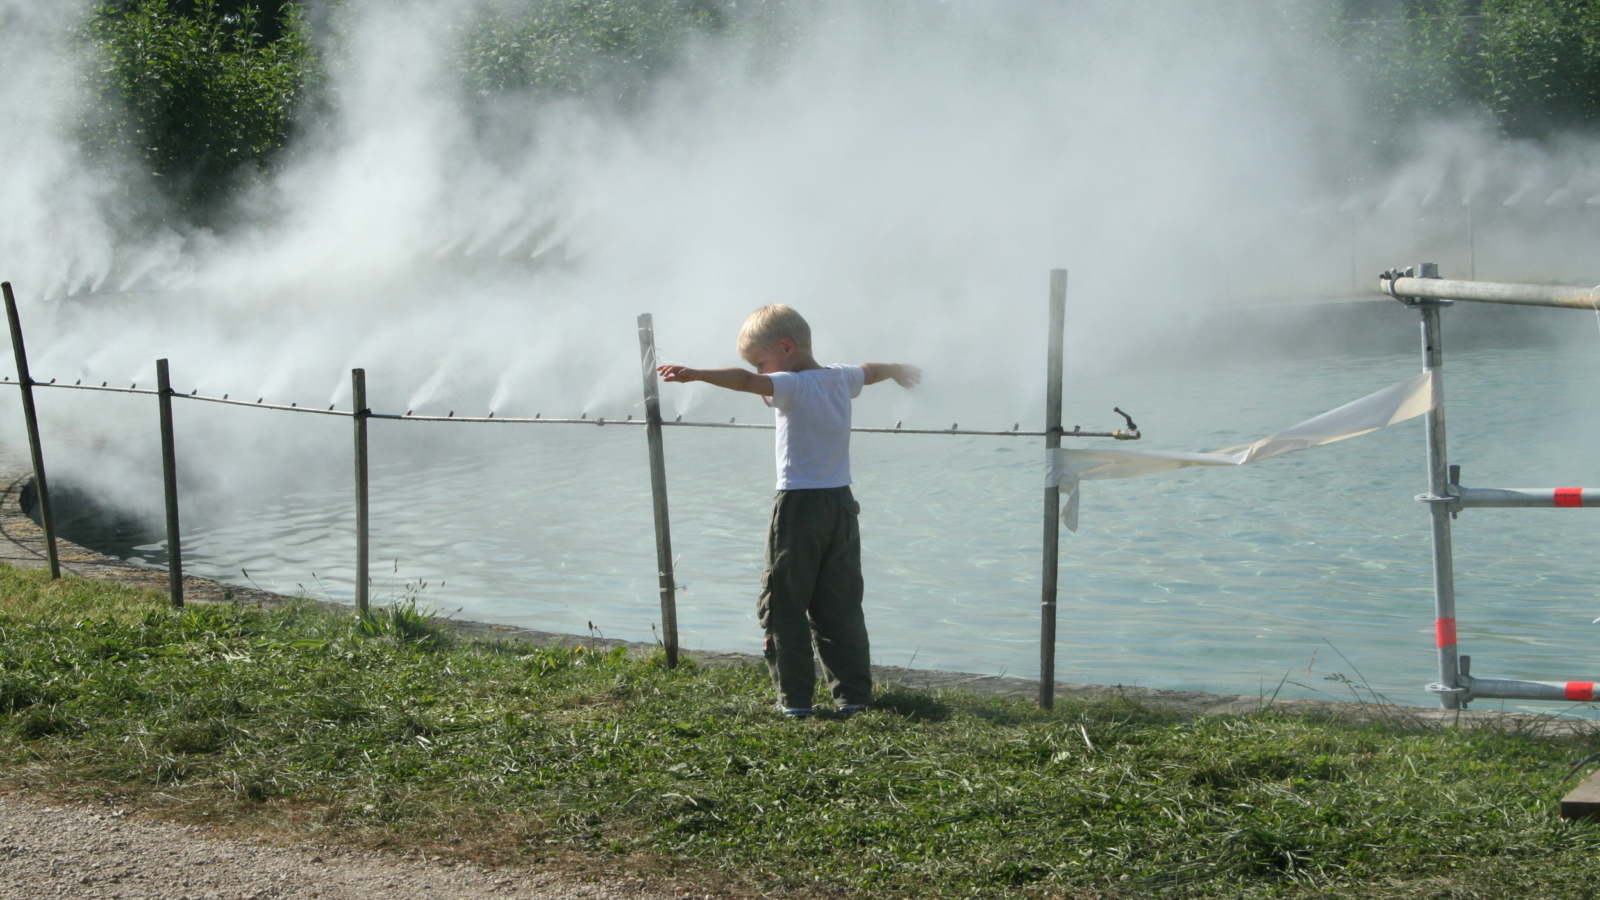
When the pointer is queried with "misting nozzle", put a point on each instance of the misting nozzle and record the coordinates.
(1131, 433)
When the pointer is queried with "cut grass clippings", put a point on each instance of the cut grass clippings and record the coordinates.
(297, 720)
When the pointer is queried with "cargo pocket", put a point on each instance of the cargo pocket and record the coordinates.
(764, 600)
(852, 507)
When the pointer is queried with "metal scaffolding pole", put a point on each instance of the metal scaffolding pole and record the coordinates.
(1439, 500)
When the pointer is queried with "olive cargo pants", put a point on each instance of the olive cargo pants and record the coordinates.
(811, 589)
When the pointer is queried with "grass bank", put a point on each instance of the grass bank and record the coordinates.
(298, 721)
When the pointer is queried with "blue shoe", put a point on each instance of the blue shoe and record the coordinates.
(793, 712)
(850, 709)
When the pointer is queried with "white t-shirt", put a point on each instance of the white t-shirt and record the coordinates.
(813, 410)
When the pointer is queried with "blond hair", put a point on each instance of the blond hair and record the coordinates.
(772, 323)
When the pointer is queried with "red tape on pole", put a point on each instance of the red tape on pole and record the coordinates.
(1446, 631)
(1580, 690)
(1569, 497)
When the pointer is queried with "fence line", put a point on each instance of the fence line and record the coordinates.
(653, 423)
(1121, 434)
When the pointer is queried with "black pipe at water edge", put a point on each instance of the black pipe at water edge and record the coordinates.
(169, 484)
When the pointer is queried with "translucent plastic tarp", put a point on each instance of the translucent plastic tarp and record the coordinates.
(1395, 403)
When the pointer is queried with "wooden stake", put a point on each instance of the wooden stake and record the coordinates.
(658, 491)
(358, 391)
(1052, 495)
(25, 382)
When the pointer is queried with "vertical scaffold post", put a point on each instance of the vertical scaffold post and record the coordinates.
(31, 419)
(358, 392)
(658, 490)
(1444, 587)
(1052, 495)
(169, 482)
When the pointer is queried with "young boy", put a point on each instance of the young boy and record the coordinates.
(812, 584)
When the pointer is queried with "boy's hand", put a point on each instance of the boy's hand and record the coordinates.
(677, 373)
(732, 379)
(904, 375)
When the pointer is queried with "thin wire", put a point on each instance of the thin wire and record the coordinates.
(230, 402)
(260, 405)
(100, 294)
(90, 387)
(508, 420)
(598, 421)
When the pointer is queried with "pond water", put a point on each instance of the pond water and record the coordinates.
(1288, 576)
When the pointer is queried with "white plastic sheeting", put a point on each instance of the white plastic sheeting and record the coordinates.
(1395, 403)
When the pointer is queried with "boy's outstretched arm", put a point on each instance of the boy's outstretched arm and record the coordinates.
(733, 379)
(903, 375)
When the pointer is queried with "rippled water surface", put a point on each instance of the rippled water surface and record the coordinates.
(1294, 572)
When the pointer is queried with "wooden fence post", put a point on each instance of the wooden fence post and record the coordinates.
(358, 390)
(658, 491)
(1052, 494)
(30, 416)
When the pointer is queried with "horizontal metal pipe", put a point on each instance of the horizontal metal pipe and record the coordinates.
(1492, 292)
(1529, 497)
(1507, 689)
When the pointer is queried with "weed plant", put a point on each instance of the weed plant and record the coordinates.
(403, 621)
(302, 721)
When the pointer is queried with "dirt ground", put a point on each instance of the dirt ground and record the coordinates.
(49, 850)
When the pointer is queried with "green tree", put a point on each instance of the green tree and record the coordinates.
(602, 49)
(199, 95)
(1409, 58)
(1536, 65)
(1532, 65)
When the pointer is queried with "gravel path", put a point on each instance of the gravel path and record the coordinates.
(48, 850)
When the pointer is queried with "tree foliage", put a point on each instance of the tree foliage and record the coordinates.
(605, 49)
(1531, 65)
(203, 94)
(1537, 64)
